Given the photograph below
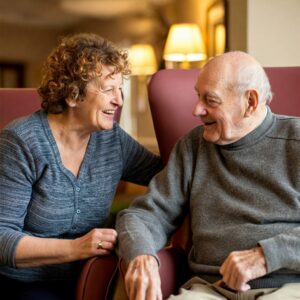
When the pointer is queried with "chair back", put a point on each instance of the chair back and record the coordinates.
(172, 98)
(285, 85)
(17, 102)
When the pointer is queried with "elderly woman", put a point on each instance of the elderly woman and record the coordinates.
(59, 169)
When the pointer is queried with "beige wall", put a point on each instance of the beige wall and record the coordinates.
(267, 29)
(274, 31)
(237, 25)
(28, 46)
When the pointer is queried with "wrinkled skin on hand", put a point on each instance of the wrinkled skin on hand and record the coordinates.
(142, 279)
(242, 266)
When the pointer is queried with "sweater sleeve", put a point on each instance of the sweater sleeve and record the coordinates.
(145, 226)
(139, 164)
(282, 251)
(15, 193)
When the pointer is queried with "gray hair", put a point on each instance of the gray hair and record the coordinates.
(254, 77)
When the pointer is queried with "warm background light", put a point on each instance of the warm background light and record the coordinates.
(184, 43)
(220, 37)
(142, 59)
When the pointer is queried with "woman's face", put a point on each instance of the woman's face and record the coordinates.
(103, 98)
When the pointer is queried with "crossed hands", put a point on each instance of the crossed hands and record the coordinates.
(142, 280)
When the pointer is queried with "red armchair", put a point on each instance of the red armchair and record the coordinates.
(17, 102)
(172, 98)
(97, 278)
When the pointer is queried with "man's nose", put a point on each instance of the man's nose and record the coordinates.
(199, 109)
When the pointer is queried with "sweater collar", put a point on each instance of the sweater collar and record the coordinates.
(255, 135)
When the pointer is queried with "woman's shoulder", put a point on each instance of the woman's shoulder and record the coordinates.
(113, 133)
(25, 126)
(114, 139)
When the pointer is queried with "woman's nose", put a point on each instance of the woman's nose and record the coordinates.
(118, 98)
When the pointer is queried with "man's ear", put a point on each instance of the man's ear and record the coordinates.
(252, 102)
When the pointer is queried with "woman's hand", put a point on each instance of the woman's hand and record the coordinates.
(35, 251)
(99, 241)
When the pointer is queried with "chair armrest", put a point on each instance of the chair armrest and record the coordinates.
(173, 269)
(96, 278)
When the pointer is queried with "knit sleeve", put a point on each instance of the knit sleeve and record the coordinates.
(145, 226)
(139, 164)
(282, 251)
(15, 192)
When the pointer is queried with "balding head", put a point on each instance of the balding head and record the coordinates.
(240, 72)
(233, 58)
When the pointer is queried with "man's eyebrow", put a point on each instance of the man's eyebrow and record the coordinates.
(209, 94)
(215, 96)
(212, 94)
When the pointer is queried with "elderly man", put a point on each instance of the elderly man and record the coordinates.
(238, 175)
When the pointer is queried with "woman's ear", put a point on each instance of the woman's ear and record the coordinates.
(73, 95)
(252, 102)
(72, 102)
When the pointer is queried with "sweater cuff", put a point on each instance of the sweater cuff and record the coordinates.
(130, 257)
(277, 254)
(128, 252)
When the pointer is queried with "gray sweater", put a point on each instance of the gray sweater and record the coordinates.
(40, 197)
(238, 196)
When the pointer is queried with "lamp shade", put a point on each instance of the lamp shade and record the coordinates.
(142, 59)
(184, 43)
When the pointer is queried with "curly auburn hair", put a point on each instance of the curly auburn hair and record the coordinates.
(72, 64)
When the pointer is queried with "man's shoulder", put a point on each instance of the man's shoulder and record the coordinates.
(194, 133)
(286, 118)
(287, 127)
(192, 140)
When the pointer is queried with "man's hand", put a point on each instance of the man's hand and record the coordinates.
(241, 266)
(142, 280)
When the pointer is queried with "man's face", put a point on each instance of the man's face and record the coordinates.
(219, 107)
